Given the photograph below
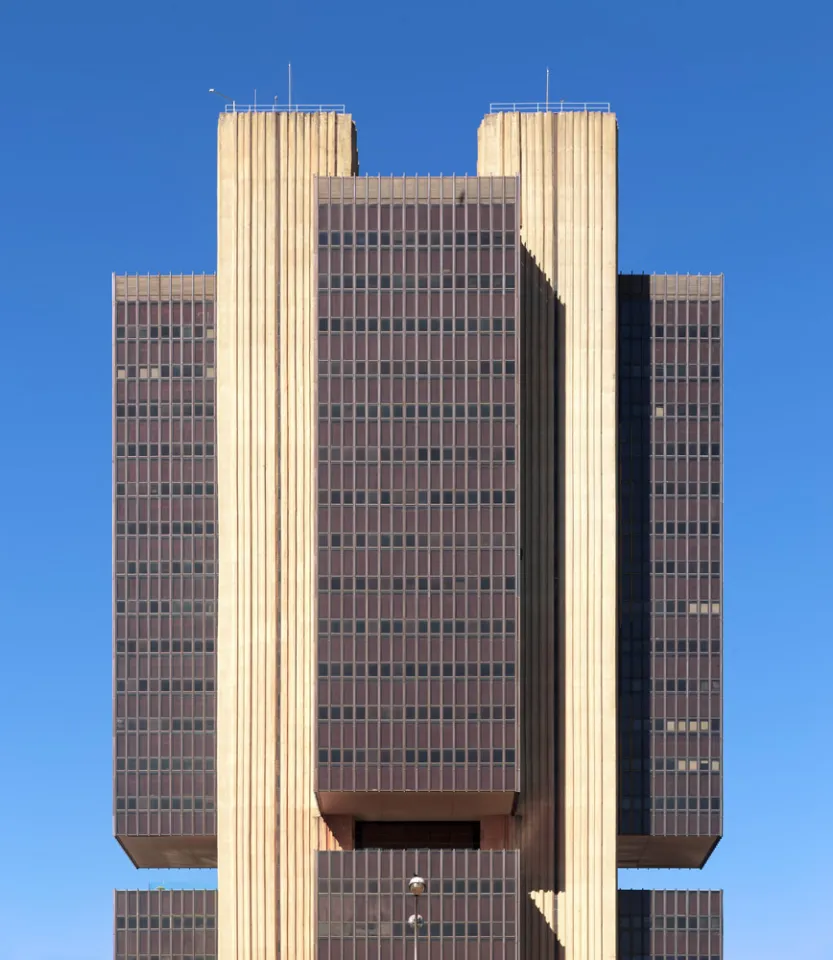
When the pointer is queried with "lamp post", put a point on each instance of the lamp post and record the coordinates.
(416, 886)
(218, 93)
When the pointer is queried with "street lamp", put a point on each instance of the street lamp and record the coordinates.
(416, 886)
(219, 93)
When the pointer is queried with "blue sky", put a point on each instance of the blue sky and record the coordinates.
(107, 163)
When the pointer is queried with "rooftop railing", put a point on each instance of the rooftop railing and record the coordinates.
(235, 107)
(179, 885)
(553, 106)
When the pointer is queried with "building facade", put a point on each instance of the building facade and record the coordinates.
(165, 570)
(670, 570)
(417, 561)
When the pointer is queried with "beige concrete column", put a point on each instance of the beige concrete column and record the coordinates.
(266, 489)
(247, 444)
(568, 170)
(309, 145)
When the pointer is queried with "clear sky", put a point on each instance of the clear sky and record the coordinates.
(107, 163)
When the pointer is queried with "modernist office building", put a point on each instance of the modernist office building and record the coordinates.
(418, 561)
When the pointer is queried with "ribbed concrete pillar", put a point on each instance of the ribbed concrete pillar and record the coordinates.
(568, 169)
(247, 438)
(268, 828)
(309, 146)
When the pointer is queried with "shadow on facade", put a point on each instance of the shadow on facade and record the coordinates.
(634, 560)
(541, 319)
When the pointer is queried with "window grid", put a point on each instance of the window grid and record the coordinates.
(417, 487)
(670, 925)
(470, 906)
(670, 641)
(165, 557)
(174, 924)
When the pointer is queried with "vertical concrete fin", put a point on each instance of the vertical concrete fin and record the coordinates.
(312, 145)
(248, 526)
(267, 837)
(567, 166)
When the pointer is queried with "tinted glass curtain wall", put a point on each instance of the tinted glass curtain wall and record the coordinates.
(417, 487)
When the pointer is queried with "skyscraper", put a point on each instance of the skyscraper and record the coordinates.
(428, 500)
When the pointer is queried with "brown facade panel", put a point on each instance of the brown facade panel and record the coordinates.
(470, 907)
(418, 492)
(670, 569)
(174, 924)
(164, 569)
(670, 925)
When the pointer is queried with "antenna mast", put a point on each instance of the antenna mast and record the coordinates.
(547, 99)
(289, 99)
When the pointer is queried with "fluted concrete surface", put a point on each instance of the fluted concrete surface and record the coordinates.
(268, 825)
(568, 171)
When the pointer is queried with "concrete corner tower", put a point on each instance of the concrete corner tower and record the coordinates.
(567, 164)
(267, 823)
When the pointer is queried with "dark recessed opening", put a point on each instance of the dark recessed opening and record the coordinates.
(420, 834)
